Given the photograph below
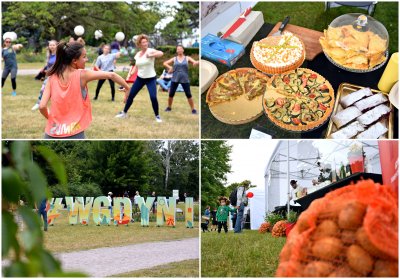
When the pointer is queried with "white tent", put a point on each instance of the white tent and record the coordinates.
(257, 208)
(301, 165)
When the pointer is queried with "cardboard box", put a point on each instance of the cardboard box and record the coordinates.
(219, 50)
(247, 30)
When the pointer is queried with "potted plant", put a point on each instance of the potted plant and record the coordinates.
(291, 221)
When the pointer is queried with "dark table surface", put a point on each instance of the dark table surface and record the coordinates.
(308, 199)
(212, 128)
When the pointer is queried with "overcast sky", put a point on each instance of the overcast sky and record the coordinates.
(249, 159)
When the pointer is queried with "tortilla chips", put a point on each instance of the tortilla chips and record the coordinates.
(353, 49)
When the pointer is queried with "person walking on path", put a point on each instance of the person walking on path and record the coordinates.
(42, 212)
(145, 59)
(180, 71)
(241, 203)
(70, 112)
(51, 59)
(10, 64)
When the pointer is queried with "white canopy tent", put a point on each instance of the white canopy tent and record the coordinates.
(301, 165)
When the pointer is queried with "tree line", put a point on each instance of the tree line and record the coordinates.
(95, 168)
(36, 22)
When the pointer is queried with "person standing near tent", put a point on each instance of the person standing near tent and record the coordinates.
(223, 214)
(10, 64)
(145, 59)
(241, 203)
(297, 192)
(180, 75)
(214, 222)
(105, 62)
(51, 59)
(70, 112)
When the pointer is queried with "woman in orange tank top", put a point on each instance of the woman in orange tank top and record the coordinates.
(70, 113)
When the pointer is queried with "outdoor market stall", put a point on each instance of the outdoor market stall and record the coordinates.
(317, 77)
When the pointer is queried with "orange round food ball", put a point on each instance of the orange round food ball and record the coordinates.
(327, 248)
(386, 269)
(344, 271)
(326, 228)
(317, 269)
(351, 216)
(359, 260)
(363, 240)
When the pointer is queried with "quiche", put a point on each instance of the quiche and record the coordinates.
(298, 100)
(235, 97)
(243, 81)
(278, 54)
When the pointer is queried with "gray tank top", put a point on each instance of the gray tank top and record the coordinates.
(181, 71)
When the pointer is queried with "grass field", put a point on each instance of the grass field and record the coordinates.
(63, 237)
(249, 254)
(19, 122)
(311, 15)
(189, 268)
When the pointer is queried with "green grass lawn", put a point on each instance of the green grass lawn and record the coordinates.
(63, 237)
(249, 254)
(189, 268)
(19, 122)
(311, 15)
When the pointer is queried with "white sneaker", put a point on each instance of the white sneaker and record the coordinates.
(121, 114)
(35, 107)
(158, 119)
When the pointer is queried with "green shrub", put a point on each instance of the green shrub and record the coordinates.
(273, 218)
(292, 216)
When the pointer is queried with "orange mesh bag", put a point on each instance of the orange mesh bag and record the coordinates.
(264, 227)
(351, 232)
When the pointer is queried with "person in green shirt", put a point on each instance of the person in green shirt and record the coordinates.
(223, 213)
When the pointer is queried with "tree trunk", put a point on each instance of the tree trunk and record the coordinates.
(167, 163)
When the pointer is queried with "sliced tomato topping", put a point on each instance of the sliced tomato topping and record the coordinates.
(311, 96)
(323, 87)
(296, 121)
(322, 107)
(296, 107)
(286, 79)
(298, 94)
(313, 76)
(280, 102)
(304, 80)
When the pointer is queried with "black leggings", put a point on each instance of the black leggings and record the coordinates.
(137, 86)
(13, 83)
(222, 224)
(186, 88)
(100, 84)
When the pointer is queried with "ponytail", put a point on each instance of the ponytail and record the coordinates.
(66, 52)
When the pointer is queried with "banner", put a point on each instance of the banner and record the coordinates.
(120, 212)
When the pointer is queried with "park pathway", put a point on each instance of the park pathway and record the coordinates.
(102, 262)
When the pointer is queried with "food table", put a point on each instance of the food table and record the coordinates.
(212, 128)
(308, 199)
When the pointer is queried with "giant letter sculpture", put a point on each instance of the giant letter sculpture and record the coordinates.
(122, 217)
(145, 210)
(53, 213)
(101, 215)
(166, 210)
(189, 212)
(78, 208)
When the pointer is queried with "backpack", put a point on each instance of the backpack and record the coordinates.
(233, 197)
